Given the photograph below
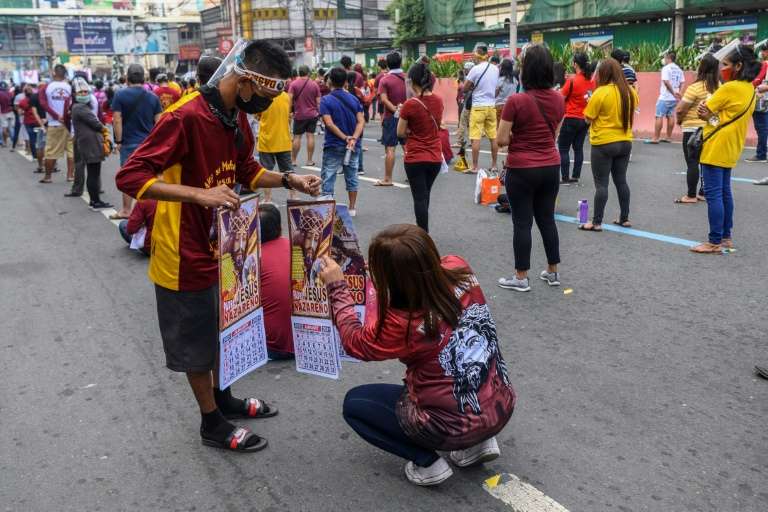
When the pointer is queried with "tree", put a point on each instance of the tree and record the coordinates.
(409, 19)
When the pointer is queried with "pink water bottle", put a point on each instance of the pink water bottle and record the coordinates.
(583, 211)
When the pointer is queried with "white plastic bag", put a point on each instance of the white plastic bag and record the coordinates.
(481, 175)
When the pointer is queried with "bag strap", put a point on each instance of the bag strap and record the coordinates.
(541, 113)
(730, 121)
(475, 84)
(306, 82)
(437, 127)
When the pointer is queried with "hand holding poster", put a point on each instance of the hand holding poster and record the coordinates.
(310, 227)
(242, 339)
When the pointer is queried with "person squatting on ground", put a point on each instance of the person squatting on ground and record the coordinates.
(480, 90)
(419, 125)
(431, 315)
(707, 82)
(573, 132)
(142, 216)
(529, 124)
(391, 95)
(204, 146)
(343, 118)
(89, 144)
(727, 115)
(305, 100)
(610, 114)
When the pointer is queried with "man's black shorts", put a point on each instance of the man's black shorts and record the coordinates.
(302, 126)
(189, 326)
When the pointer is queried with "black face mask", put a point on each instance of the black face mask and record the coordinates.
(256, 105)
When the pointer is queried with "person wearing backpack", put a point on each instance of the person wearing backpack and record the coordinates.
(419, 124)
(528, 128)
(727, 115)
(135, 112)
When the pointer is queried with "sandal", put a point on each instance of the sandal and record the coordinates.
(649, 141)
(253, 408)
(686, 200)
(45, 180)
(592, 227)
(237, 440)
(625, 224)
(117, 216)
(380, 183)
(707, 248)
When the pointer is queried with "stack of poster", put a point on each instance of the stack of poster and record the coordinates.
(242, 338)
(310, 228)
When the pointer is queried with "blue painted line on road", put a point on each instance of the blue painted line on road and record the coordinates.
(742, 180)
(634, 232)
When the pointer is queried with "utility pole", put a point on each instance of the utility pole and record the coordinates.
(679, 39)
(513, 29)
(232, 24)
(82, 40)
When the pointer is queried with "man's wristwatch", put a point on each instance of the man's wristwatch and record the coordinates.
(286, 181)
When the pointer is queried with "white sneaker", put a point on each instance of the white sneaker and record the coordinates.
(481, 452)
(435, 474)
(353, 213)
(326, 197)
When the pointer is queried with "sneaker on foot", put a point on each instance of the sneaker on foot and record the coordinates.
(326, 197)
(353, 213)
(756, 160)
(435, 474)
(552, 278)
(361, 172)
(481, 452)
(763, 181)
(513, 283)
(100, 205)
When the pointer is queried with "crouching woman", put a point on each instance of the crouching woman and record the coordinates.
(432, 316)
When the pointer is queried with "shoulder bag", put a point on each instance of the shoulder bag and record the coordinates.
(541, 113)
(697, 140)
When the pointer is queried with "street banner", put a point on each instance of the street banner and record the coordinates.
(310, 228)
(139, 37)
(242, 338)
(724, 30)
(345, 250)
(89, 37)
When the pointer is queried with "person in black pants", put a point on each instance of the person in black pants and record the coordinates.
(420, 119)
(611, 160)
(574, 130)
(532, 170)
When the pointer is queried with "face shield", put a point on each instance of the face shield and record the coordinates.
(233, 63)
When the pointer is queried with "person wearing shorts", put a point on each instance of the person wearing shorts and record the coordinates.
(275, 144)
(305, 97)
(481, 85)
(672, 80)
(7, 119)
(391, 95)
(54, 98)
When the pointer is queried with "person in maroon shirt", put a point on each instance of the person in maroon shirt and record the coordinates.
(528, 126)
(346, 63)
(200, 148)
(431, 315)
(392, 94)
(305, 99)
(420, 120)
(378, 107)
(275, 283)
(142, 216)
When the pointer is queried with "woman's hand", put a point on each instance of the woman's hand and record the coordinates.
(330, 271)
(704, 113)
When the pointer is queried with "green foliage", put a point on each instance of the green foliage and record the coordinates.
(644, 56)
(411, 22)
(444, 69)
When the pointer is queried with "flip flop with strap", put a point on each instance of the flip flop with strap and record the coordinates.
(382, 184)
(253, 408)
(625, 224)
(237, 441)
(707, 248)
(583, 227)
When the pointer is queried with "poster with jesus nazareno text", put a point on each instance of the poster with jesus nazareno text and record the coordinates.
(310, 228)
(345, 250)
(242, 338)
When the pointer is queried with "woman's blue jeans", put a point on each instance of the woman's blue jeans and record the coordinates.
(717, 190)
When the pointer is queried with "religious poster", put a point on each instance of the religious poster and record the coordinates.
(310, 228)
(242, 338)
(345, 250)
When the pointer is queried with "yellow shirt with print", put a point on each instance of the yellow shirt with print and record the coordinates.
(724, 148)
(274, 126)
(695, 94)
(604, 113)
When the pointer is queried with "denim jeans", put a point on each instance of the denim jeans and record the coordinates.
(761, 127)
(333, 159)
(717, 190)
(125, 152)
(572, 134)
(370, 411)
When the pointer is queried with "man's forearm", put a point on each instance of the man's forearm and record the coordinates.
(669, 87)
(117, 127)
(336, 131)
(163, 191)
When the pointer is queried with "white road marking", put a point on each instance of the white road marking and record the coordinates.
(107, 212)
(23, 154)
(361, 178)
(586, 162)
(520, 496)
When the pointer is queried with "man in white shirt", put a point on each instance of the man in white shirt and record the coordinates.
(672, 80)
(481, 86)
(58, 138)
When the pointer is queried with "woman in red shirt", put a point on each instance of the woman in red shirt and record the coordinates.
(528, 126)
(432, 316)
(576, 91)
(420, 119)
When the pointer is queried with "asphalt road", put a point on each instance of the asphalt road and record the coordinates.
(636, 391)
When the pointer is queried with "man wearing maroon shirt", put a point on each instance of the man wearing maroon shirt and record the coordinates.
(392, 95)
(377, 106)
(200, 148)
(305, 98)
(346, 63)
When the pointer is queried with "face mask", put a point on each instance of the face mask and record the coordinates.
(726, 74)
(83, 99)
(256, 105)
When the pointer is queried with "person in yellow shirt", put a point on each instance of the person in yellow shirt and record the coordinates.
(173, 84)
(610, 112)
(707, 82)
(727, 115)
(274, 144)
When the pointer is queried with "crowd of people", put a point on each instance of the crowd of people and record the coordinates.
(258, 112)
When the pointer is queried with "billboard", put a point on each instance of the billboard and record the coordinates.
(90, 37)
(588, 40)
(139, 37)
(725, 30)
